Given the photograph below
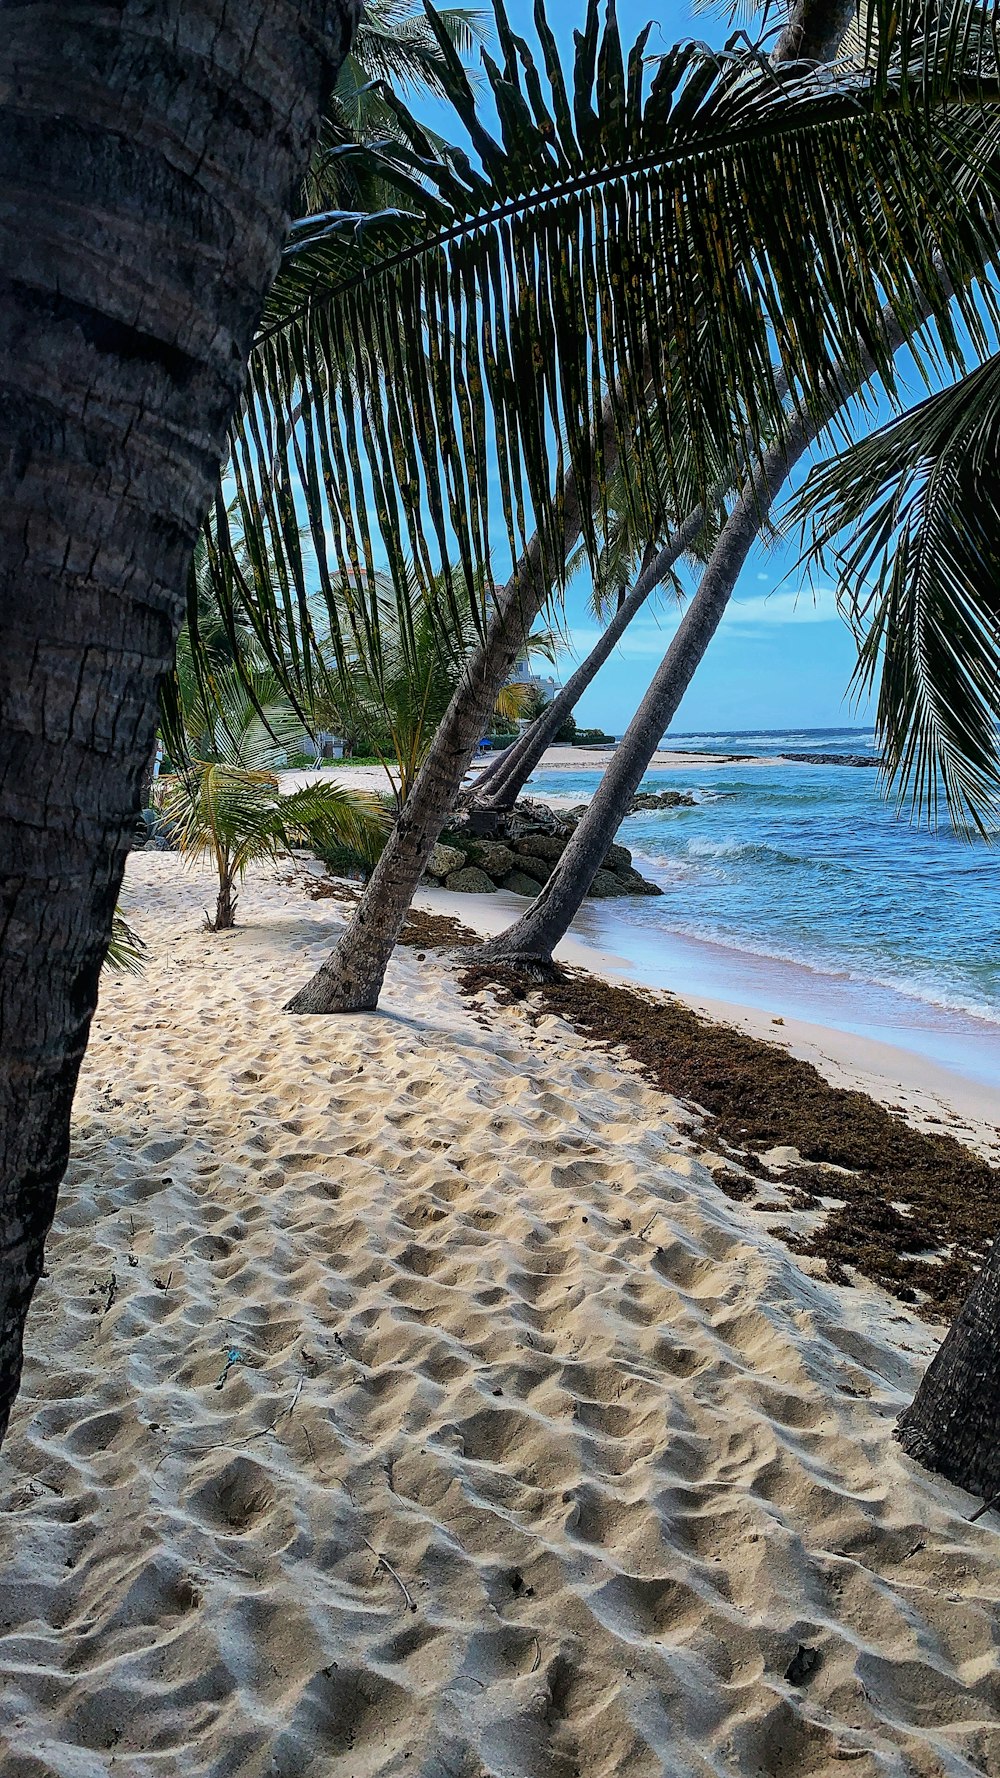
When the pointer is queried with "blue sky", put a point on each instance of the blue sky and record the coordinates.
(782, 657)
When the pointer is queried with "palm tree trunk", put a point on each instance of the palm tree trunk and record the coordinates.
(351, 978)
(225, 902)
(498, 789)
(149, 157)
(533, 938)
(953, 1422)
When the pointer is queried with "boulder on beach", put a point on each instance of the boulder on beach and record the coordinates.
(539, 868)
(606, 883)
(444, 860)
(617, 859)
(493, 857)
(521, 883)
(542, 845)
(470, 881)
(637, 885)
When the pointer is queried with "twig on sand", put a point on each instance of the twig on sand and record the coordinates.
(387, 1565)
(986, 1507)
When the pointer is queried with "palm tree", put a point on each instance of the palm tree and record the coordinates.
(127, 951)
(521, 245)
(909, 521)
(394, 51)
(227, 802)
(149, 160)
(394, 692)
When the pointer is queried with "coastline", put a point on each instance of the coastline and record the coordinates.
(931, 1093)
(939, 1064)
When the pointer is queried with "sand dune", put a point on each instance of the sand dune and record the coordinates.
(403, 1398)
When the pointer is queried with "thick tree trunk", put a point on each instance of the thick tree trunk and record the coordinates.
(149, 158)
(500, 790)
(953, 1422)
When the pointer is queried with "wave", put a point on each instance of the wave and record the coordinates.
(736, 852)
(941, 995)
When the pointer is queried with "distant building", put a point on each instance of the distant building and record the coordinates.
(522, 672)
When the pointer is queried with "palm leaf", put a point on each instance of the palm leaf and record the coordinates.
(908, 520)
(127, 951)
(628, 258)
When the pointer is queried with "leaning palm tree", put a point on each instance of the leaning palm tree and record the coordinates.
(226, 802)
(757, 212)
(394, 694)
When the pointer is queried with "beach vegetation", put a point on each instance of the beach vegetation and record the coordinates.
(225, 801)
(395, 685)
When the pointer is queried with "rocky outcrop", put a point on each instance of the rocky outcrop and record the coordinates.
(470, 881)
(661, 799)
(522, 849)
(521, 884)
(493, 857)
(443, 860)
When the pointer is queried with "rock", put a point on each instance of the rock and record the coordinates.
(470, 881)
(637, 885)
(542, 845)
(492, 857)
(539, 868)
(618, 859)
(662, 799)
(443, 860)
(605, 884)
(521, 883)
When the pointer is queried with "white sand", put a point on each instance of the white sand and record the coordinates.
(554, 759)
(496, 1325)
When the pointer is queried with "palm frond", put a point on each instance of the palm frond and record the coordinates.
(909, 521)
(127, 951)
(636, 253)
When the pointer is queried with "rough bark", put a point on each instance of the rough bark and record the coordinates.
(149, 159)
(498, 788)
(953, 1423)
(815, 30)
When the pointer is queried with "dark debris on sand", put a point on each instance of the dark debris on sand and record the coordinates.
(440, 932)
(914, 1213)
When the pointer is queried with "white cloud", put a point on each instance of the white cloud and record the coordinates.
(801, 605)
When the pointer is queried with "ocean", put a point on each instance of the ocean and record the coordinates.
(801, 888)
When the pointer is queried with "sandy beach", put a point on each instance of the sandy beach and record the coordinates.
(404, 1396)
(554, 759)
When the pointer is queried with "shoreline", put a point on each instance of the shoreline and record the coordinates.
(930, 1092)
(937, 1061)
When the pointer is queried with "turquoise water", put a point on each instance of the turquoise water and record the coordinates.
(808, 867)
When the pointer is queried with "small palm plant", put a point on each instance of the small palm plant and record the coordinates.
(227, 802)
(393, 689)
